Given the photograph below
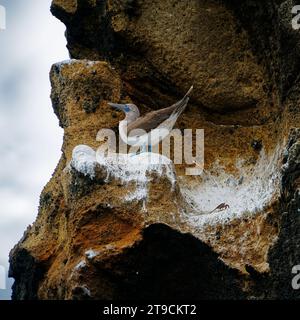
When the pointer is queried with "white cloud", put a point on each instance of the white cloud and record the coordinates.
(30, 139)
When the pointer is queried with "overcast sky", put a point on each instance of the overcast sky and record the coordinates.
(30, 138)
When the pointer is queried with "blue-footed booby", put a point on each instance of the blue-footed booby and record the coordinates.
(151, 128)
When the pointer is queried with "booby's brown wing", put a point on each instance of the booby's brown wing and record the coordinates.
(153, 119)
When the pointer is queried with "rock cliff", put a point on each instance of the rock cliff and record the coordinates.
(131, 230)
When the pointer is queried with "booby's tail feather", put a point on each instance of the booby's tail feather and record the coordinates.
(189, 92)
(181, 105)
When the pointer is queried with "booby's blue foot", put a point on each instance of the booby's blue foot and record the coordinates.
(143, 149)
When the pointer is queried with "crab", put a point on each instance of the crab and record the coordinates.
(221, 207)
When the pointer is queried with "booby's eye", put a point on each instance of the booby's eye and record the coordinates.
(126, 109)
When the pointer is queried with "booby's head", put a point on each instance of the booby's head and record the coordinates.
(131, 110)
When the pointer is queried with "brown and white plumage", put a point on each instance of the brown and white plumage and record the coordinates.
(151, 128)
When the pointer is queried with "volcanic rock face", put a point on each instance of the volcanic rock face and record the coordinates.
(122, 227)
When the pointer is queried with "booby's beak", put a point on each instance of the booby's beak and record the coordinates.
(117, 106)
